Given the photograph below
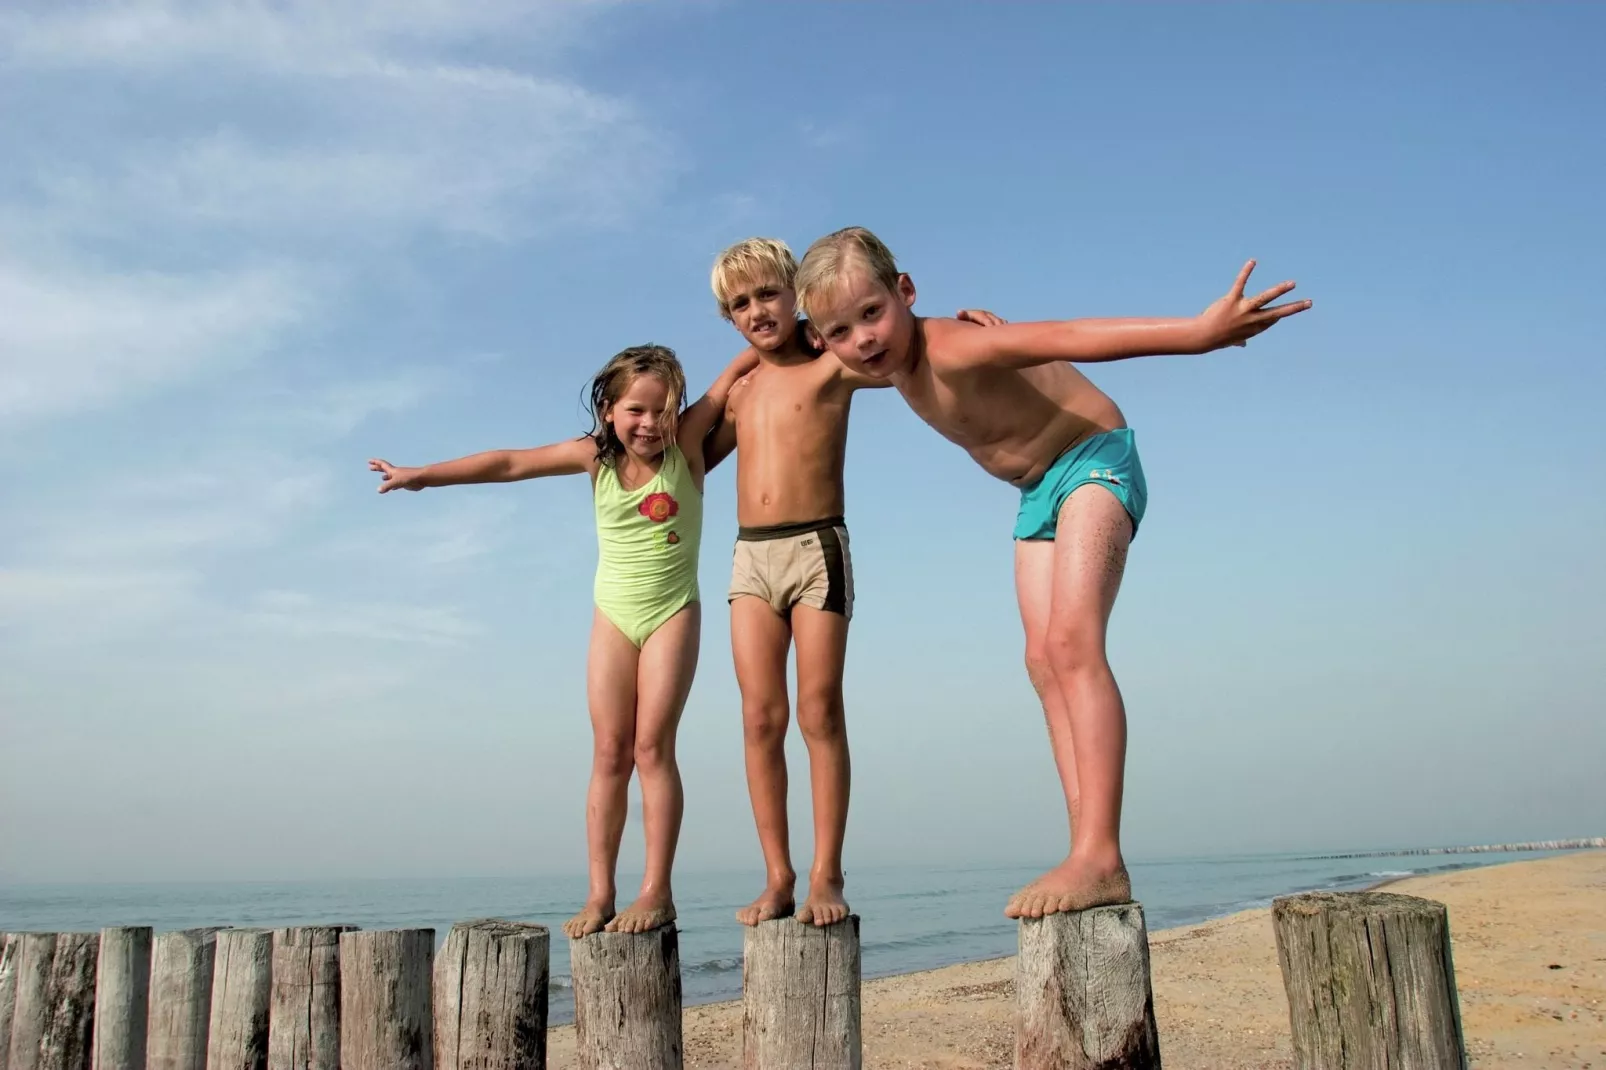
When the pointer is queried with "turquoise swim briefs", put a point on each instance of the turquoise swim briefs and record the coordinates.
(1109, 459)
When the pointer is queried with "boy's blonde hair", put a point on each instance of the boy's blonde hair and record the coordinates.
(830, 257)
(753, 260)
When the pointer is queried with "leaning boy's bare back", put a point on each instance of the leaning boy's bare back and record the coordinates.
(791, 422)
(1014, 422)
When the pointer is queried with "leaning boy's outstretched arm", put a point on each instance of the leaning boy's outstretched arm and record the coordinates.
(700, 417)
(1231, 320)
(494, 466)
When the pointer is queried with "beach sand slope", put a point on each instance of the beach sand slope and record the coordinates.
(1529, 941)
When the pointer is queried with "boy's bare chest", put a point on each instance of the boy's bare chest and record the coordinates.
(788, 402)
(970, 410)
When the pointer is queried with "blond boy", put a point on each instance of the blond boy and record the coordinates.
(1012, 398)
(792, 567)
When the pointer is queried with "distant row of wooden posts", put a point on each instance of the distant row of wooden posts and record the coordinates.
(1368, 976)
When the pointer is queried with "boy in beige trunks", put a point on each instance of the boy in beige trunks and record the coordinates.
(792, 570)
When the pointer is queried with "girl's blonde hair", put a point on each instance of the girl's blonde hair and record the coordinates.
(609, 385)
(830, 257)
(753, 260)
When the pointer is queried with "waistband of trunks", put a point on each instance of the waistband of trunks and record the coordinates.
(787, 531)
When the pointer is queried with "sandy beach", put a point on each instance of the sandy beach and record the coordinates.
(1529, 940)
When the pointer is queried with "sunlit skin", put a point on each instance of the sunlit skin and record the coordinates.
(790, 416)
(635, 696)
(1011, 398)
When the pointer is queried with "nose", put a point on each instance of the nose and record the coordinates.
(864, 341)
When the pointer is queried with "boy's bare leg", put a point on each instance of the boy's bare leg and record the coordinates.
(664, 675)
(760, 639)
(822, 642)
(1089, 558)
(611, 696)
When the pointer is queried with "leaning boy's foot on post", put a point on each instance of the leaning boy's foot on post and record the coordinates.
(648, 912)
(591, 919)
(1071, 885)
(775, 902)
(824, 904)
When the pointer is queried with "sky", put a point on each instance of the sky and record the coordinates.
(245, 247)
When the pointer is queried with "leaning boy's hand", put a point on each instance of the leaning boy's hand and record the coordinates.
(395, 478)
(1234, 318)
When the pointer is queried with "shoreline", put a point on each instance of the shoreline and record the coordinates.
(1529, 940)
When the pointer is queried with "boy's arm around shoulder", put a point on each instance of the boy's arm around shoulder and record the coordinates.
(701, 416)
(1231, 320)
(570, 457)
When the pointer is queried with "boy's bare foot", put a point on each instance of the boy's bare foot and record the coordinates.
(592, 917)
(775, 902)
(824, 904)
(1071, 885)
(648, 912)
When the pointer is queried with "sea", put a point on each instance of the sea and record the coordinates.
(910, 918)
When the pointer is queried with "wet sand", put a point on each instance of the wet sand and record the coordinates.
(1529, 941)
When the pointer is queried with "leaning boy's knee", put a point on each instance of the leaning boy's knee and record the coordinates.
(1074, 646)
(1039, 667)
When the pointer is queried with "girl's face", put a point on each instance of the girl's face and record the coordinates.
(638, 417)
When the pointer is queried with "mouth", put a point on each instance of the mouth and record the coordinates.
(875, 360)
(767, 327)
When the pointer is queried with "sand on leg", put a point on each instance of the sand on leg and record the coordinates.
(822, 641)
(760, 641)
(664, 674)
(611, 696)
(1090, 550)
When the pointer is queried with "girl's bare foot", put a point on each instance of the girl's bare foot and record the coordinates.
(824, 904)
(591, 919)
(648, 912)
(1074, 884)
(775, 902)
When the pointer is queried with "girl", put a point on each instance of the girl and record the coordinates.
(645, 459)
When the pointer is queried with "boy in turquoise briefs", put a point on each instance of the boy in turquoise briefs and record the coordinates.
(1011, 396)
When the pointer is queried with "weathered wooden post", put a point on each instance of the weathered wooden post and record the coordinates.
(304, 1010)
(53, 1013)
(1082, 995)
(1369, 980)
(10, 947)
(800, 995)
(385, 1000)
(242, 984)
(491, 997)
(122, 998)
(636, 971)
(182, 964)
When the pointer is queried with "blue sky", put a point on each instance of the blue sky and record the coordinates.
(243, 249)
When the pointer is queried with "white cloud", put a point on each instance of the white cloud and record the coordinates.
(74, 339)
(306, 616)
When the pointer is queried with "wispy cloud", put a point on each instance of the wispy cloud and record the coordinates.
(307, 616)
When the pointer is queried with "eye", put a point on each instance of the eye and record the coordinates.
(739, 303)
(872, 312)
(765, 295)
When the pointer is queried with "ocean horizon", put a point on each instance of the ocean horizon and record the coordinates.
(912, 918)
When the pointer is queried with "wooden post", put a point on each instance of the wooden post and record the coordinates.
(385, 1000)
(304, 1010)
(182, 964)
(800, 995)
(1082, 994)
(10, 948)
(636, 971)
(122, 998)
(1369, 981)
(242, 984)
(491, 997)
(53, 1015)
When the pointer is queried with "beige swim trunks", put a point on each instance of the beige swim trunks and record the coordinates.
(787, 564)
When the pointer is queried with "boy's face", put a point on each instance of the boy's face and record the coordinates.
(867, 326)
(765, 311)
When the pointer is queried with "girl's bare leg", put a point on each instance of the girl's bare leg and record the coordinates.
(611, 693)
(1090, 549)
(663, 681)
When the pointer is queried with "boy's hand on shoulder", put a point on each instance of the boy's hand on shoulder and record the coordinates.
(396, 478)
(1233, 319)
(980, 316)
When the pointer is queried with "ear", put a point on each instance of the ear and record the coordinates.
(906, 291)
(812, 337)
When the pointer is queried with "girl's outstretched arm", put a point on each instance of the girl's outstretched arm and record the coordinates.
(494, 466)
(700, 417)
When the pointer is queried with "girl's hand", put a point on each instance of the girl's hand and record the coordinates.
(397, 478)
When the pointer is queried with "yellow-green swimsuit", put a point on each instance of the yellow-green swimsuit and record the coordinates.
(647, 544)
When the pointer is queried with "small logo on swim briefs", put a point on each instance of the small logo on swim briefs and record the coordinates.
(658, 507)
(806, 542)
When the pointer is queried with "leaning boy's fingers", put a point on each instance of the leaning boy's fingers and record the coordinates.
(1273, 293)
(1243, 279)
(1277, 312)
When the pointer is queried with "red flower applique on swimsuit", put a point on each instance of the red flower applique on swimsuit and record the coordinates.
(659, 507)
